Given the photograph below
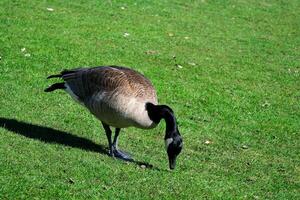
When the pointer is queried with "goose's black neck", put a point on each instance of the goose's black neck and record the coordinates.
(158, 112)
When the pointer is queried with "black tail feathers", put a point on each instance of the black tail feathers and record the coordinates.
(65, 72)
(55, 76)
(55, 86)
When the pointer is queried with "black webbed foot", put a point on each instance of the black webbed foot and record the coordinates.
(122, 155)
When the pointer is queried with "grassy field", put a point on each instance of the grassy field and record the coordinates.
(229, 69)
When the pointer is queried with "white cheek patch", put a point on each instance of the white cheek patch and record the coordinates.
(168, 141)
(181, 144)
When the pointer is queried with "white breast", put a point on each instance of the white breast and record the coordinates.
(120, 111)
(135, 109)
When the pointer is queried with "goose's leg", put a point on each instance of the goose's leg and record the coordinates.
(116, 138)
(108, 135)
(118, 153)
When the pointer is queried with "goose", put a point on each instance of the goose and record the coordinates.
(120, 97)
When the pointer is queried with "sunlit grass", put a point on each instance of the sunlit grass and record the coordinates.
(229, 69)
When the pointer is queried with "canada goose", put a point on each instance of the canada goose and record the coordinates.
(120, 97)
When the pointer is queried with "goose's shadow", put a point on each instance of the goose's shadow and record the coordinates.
(50, 135)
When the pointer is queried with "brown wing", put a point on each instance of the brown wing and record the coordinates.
(85, 82)
(139, 85)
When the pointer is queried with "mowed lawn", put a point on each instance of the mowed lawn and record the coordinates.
(229, 69)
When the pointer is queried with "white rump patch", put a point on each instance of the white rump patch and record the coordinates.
(168, 141)
(71, 93)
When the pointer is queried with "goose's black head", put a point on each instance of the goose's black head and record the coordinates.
(173, 146)
(173, 139)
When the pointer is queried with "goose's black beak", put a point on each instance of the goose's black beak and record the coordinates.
(172, 162)
(174, 146)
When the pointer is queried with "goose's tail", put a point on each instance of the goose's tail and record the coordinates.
(65, 75)
(55, 86)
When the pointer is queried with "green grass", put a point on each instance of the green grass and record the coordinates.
(239, 87)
